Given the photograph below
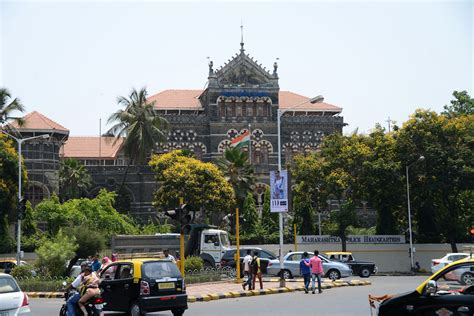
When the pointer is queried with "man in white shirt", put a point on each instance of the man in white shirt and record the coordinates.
(247, 261)
(166, 252)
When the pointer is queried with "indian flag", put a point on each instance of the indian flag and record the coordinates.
(241, 140)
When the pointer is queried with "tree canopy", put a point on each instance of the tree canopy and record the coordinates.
(200, 184)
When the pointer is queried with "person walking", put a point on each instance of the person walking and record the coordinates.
(305, 271)
(317, 271)
(256, 270)
(247, 261)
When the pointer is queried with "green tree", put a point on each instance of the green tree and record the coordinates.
(238, 172)
(139, 123)
(8, 190)
(74, 180)
(462, 104)
(383, 181)
(250, 215)
(269, 220)
(95, 214)
(439, 182)
(335, 173)
(8, 106)
(52, 254)
(200, 184)
(89, 242)
(303, 212)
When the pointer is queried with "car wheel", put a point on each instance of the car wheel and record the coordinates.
(286, 274)
(467, 278)
(178, 312)
(334, 274)
(365, 272)
(135, 310)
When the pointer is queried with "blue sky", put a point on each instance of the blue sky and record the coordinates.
(70, 60)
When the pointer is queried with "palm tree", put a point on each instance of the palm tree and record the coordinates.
(8, 106)
(141, 127)
(74, 181)
(238, 172)
(139, 124)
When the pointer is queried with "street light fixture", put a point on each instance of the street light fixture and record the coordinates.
(20, 197)
(316, 99)
(421, 158)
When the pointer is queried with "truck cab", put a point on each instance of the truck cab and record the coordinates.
(215, 243)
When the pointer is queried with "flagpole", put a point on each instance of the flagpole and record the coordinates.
(250, 144)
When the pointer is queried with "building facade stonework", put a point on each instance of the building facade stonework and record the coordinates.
(240, 96)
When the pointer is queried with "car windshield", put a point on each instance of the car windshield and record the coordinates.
(225, 240)
(160, 269)
(8, 285)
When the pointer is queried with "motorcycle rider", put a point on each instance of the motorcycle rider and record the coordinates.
(72, 300)
(89, 288)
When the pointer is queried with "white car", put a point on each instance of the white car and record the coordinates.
(12, 300)
(437, 264)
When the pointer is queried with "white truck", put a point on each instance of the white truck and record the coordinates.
(204, 241)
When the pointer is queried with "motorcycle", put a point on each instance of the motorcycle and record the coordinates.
(94, 307)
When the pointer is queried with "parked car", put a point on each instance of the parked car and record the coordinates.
(139, 286)
(12, 300)
(438, 264)
(291, 266)
(364, 269)
(8, 264)
(228, 259)
(438, 295)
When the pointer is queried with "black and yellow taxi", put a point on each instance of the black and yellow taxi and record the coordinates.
(450, 291)
(141, 285)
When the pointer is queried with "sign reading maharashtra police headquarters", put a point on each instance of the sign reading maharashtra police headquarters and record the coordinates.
(279, 191)
(352, 239)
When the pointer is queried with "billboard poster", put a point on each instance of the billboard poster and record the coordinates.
(279, 191)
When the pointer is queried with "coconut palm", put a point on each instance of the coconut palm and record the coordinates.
(139, 124)
(74, 181)
(238, 172)
(8, 106)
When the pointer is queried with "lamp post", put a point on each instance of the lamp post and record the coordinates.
(20, 142)
(280, 216)
(409, 212)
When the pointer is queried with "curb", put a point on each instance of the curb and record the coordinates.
(232, 294)
(269, 291)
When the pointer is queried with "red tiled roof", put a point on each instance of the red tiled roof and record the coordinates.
(188, 100)
(177, 100)
(295, 102)
(37, 121)
(88, 147)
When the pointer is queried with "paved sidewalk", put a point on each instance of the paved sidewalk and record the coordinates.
(221, 290)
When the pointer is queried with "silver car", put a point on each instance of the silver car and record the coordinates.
(291, 266)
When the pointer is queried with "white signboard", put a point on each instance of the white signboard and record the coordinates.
(279, 191)
(351, 239)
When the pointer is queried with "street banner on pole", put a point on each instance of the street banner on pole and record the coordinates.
(279, 191)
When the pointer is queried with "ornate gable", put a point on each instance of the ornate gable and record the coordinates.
(243, 71)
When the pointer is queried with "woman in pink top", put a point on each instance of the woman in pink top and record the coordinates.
(317, 271)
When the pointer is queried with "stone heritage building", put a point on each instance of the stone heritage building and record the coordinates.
(239, 96)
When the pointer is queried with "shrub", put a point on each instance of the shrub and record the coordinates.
(53, 254)
(42, 285)
(20, 272)
(193, 263)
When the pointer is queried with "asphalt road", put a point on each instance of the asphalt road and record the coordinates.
(337, 301)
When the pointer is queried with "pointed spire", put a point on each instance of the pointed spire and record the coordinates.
(241, 38)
